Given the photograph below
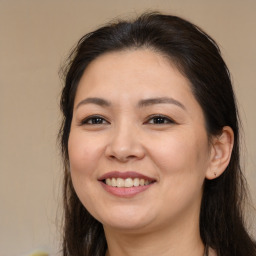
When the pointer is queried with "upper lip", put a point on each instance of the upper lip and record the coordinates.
(125, 175)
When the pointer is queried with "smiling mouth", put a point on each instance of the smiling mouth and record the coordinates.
(127, 183)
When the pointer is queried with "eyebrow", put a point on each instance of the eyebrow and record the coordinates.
(97, 101)
(141, 103)
(162, 100)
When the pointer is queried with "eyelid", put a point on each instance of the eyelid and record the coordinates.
(170, 120)
(85, 120)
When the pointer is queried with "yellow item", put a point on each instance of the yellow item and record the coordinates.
(39, 254)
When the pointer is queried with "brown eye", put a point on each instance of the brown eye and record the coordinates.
(94, 120)
(159, 119)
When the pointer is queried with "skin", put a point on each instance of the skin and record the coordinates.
(176, 153)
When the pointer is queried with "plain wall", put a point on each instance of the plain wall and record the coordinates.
(35, 37)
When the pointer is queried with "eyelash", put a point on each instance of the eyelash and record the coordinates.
(165, 119)
(99, 120)
(91, 120)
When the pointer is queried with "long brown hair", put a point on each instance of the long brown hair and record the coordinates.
(198, 57)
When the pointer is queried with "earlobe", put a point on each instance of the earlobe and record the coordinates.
(221, 151)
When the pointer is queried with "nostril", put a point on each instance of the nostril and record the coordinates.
(124, 150)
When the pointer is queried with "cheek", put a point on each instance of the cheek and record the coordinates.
(182, 163)
(83, 154)
(183, 158)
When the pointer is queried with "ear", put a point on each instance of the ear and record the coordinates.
(221, 150)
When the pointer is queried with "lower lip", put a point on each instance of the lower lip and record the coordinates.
(125, 192)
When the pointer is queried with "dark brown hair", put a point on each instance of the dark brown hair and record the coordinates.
(198, 57)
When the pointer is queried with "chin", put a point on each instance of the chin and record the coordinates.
(127, 227)
(127, 220)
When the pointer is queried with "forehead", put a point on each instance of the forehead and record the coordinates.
(133, 69)
(128, 77)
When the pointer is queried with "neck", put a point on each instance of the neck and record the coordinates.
(172, 241)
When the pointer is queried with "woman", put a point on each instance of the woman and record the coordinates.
(150, 144)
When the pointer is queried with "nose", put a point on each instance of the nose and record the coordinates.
(125, 144)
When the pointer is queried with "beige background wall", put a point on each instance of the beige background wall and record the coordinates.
(35, 37)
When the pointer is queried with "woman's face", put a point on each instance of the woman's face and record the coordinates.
(136, 121)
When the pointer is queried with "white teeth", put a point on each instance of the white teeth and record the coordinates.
(120, 183)
(136, 182)
(113, 182)
(126, 183)
(108, 182)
